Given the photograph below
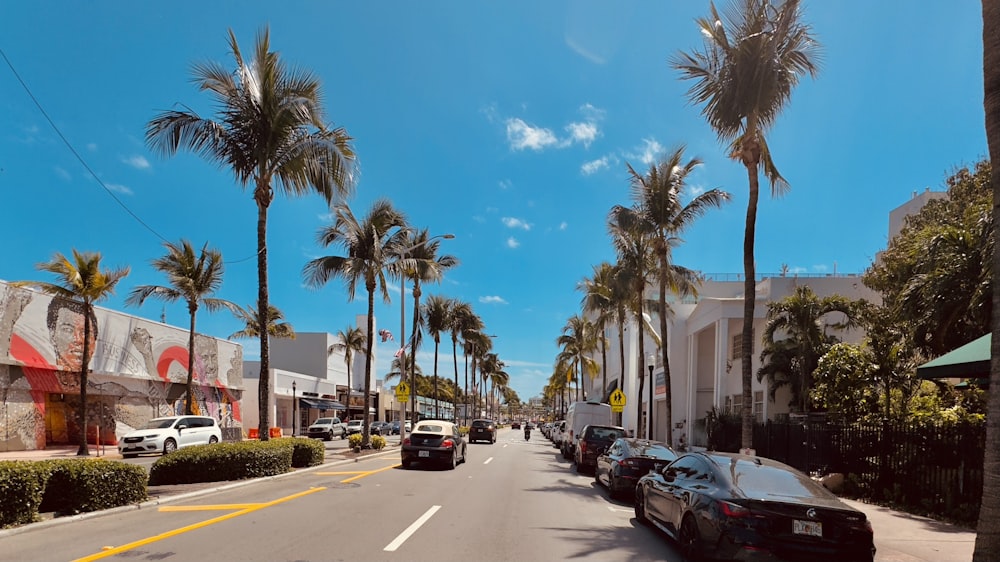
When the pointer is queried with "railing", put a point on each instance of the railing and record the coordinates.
(724, 277)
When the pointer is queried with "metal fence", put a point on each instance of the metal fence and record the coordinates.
(924, 468)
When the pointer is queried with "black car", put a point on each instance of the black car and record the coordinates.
(483, 430)
(594, 440)
(434, 441)
(738, 507)
(626, 461)
(515, 425)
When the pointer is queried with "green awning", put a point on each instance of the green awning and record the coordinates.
(972, 360)
(321, 404)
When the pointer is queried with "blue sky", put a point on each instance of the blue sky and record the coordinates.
(507, 124)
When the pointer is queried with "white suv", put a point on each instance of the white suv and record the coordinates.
(355, 426)
(169, 434)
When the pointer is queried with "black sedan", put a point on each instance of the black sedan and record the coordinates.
(434, 441)
(626, 461)
(483, 430)
(738, 507)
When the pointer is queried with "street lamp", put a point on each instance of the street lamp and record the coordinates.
(404, 253)
(294, 409)
(651, 360)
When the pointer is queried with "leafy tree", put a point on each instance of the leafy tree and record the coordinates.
(368, 255)
(270, 132)
(192, 279)
(82, 281)
(350, 340)
(251, 323)
(744, 77)
(842, 382)
(935, 276)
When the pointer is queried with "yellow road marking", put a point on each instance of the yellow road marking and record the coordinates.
(341, 473)
(369, 473)
(217, 507)
(175, 532)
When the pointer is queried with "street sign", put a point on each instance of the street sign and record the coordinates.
(403, 392)
(617, 400)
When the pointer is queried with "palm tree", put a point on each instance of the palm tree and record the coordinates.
(578, 339)
(270, 131)
(251, 323)
(82, 281)
(417, 260)
(598, 302)
(658, 196)
(463, 320)
(350, 340)
(192, 279)
(744, 77)
(988, 528)
(437, 317)
(367, 244)
(476, 344)
(801, 318)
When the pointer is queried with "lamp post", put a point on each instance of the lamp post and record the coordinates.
(651, 359)
(294, 409)
(402, 336)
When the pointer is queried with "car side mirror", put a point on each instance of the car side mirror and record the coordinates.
(180, 427)
(658, 467)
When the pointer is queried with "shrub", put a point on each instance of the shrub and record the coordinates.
(81, 485)
(223, 461)
(307, 452)
(354, 441)
(22, 484)
(378, 442)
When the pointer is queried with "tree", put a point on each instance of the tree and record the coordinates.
(350, 340)
(744, 77)
(269, 131)
(578, 340)
(192, 279)
(463, 320)
(658, 196)
(368, 246)
(81, 281)
(598, 301)
(803, 318)
(842, 385)
(251, 323)
(437, 318)
(988, 529)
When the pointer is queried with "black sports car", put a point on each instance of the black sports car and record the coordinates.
(628, 460)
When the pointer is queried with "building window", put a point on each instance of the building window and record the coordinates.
(738, 345)
(737, 403)
(728, 408)
(758, 405)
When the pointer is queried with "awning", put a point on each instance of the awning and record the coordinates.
(972, 360)
(321, 404)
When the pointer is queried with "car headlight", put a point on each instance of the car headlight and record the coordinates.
(153, 436)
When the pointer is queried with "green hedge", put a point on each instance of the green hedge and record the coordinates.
(22, 484)
(307, 452)
(226, 461)
(81, 485)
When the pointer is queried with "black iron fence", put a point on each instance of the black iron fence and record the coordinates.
(923, 468)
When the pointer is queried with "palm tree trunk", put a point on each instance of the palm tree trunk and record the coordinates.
(437, 414)
(413, 349)
(366, 430)
(454, 357)
(749, 296)
(664, 351)
(188, 409)
(83, 450)
(988, 528)
(621, 351)
(604, 365)
(642, 370)
(263, 196)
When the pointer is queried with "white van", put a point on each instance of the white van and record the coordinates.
(580, 415)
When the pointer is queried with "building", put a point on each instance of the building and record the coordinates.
(138, 371)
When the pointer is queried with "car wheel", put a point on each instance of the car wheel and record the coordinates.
(640, 507)
(689, 539)
(454, 460)
(213, 440)
(169, 446)
(343, 435)
(464, 453)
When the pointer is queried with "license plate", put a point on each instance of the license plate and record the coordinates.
(811, 528)
(424, 454)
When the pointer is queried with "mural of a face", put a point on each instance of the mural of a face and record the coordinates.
(67, 339)
(206, 351)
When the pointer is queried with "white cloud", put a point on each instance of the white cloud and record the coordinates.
(820, 268)
(479, 219)
(504, 184)
(650, 151)
(139, 162)
(512, 242)
(492, 299)
(592, 113)
(563, 225)
(594, 166)
(63, 174)
(119, 188)
(583, 133)
(522, 135)
(511, 222)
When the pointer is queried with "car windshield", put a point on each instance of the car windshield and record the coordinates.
(323, 421)
(161, 423)
(481, 423)
(427, 428)
(758, 481)
(354, 422)
(655, 451)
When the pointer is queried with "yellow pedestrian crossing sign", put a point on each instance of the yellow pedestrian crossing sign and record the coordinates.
(617, 400)
(403, 392)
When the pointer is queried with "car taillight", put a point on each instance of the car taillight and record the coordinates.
(628, 463)
(406, 441)
(733, 510)
(583, 446)
(448, 444)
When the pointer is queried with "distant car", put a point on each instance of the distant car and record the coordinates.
(327, 428)
(394, 428)
(355, 426)
(434, 441)
(626, 461)
(737, 507)
(515, 425)
(380, 428)
(594, 440)
(166, 435)
(483, 430)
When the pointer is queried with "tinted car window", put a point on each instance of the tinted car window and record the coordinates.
(760, 481)
(481, 423)
(655, 451)
(686, 467)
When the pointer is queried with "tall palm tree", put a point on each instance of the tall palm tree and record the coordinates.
(658, 194)
(350, 340)
(578, 340)
(802, 319)
(598, 302)
(367, 259)
(83, 281)
(251, 323)
(988, 528)
(418, 261)
(437, 318)
(192, 279)
(462, 319)
(751, 61)
(270, 132)
(476, 344)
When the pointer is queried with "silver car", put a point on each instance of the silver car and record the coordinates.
(166, 435)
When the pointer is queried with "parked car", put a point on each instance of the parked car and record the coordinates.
(557, 433)
(434, 441)
(483, 430)
(355, 426)
(734, 507)
(578, 416)
(515, 425)
(327, 428)
(380, 428)
(394, 427)
(166, 435)
(626, 461)
(594, 440)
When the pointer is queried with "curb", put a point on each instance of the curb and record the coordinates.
(39, 525)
